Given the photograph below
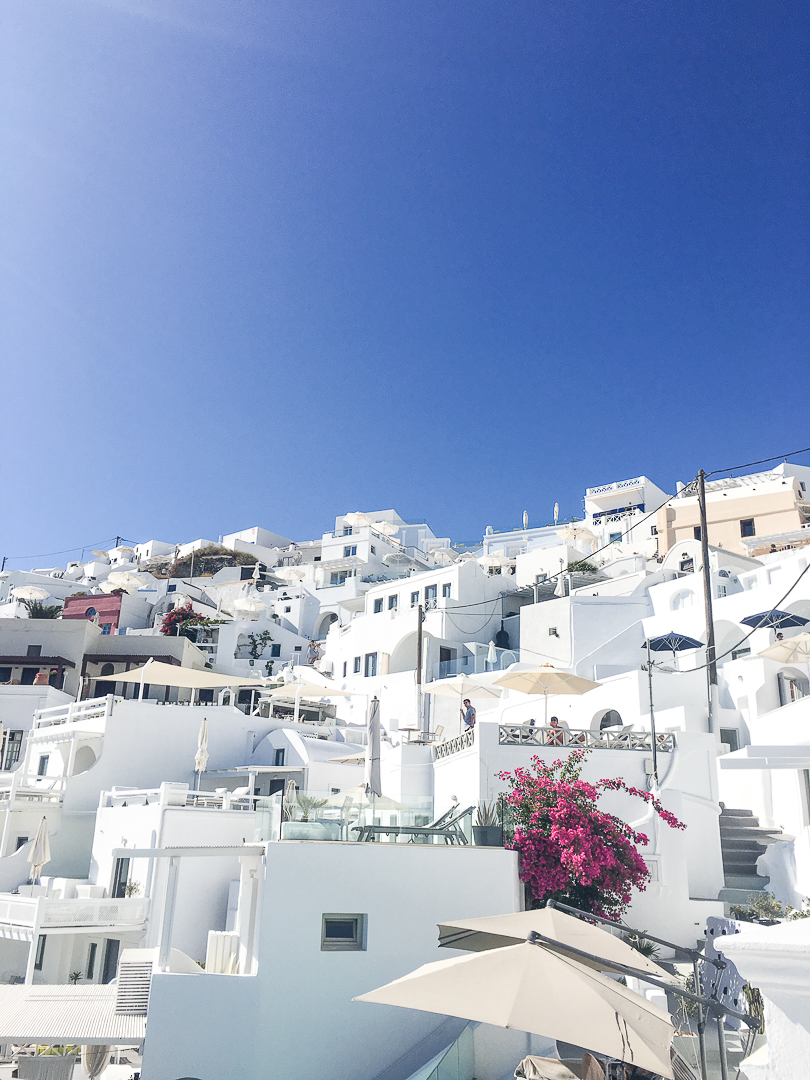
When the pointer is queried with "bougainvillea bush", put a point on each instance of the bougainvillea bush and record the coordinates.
(569, 849)
(182, 621)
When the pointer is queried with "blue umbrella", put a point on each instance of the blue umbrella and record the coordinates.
(673, 643)
(776, 620)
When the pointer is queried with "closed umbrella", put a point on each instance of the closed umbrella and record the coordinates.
(289, 801)
(372, 778)
(545, 680)
(775, 620)
(40, 852)
(492, 653)
(201, 757)
(531, 988)
(794, 650)
(95, 1060)
(2, 748)
(496, 931)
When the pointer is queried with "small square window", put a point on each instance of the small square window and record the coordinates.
(345, 668)
(342, 933)
(373, 550)
(414, 599)
(42, 768)
(106, 628)
(317, 558)
(275, 650)
(287, 610)
(357, 662)
(615, 538)
(40, 954)
(378, 605)
(747, 527)
(392, 603)
(446, 589)
(696, 531)
(371, 665)
(34, 650)
(278, 758)
(171, 588)
(349, 551)
(653, 530)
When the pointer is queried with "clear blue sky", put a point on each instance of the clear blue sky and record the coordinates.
(265, 262)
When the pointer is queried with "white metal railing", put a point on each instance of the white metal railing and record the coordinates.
(525, 735)
(453, 746)
(23, 911)
(92, 709)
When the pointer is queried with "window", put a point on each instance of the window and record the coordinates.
(28, 676)
(20, 841)
(34, 650)
(430, 596)
(40, 955)
(747, 527)
(278, 757)
(340, 933)
(357, 665)
(42, 768)
(317, 558)
(337, 577)
(696, 531)
(414, 599)
(392, 603)
(120, 878)
(347, 530)
(110, 968)
(610, 719)
(615, 538)
(91, 960)
(297, 648)
(345, 668)
(90, 613)
(287, 610)
(107, 669)
(687, 564)
(744, 651)
(540, 578)
(12, 750)
(275, 650)
(731, 737)
(371, 665)
(349, 551)
(171, 588)
(653, 530)
(5, 674)
(378, 605)
(446, 589)
(373, 549)
(106, 628)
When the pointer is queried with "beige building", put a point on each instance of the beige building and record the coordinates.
(766, 511)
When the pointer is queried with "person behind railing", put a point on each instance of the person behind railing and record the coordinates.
(555, 735)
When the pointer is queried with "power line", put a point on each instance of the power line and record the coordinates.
(764, 461)
(65, 551)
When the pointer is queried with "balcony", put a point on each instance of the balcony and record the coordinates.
(475, 664)
(20, 915)
(618, 739)
(455, 746)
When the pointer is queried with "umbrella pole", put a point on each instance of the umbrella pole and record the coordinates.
(652, 717)
(545, 703)
(701, 1025)
(297, 702)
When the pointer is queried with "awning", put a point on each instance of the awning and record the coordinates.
(66, 1014)
(767, 757)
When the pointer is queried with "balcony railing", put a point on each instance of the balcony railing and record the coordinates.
(454, 746)
(92, 709)
(468, 664)
(620, 739)
(22, 911)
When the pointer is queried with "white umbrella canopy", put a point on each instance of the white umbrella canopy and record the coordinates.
(95, 1060)
(357, 519)
(248, 605)
(384, 527)
(458, 687)
(40, 852)
(497, 558)
(29, 592)
(530, 988)
(790, 651)
(289, 573)
(496, 931)
(201, 757)
(123, 579)
(360, 799)
(545, 680)
(157, 673)
(307, 689)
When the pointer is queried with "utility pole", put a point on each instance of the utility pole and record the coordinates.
(419, 620)
(2, 568)
(711, 665)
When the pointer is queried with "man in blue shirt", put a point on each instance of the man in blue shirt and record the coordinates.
(468, 715)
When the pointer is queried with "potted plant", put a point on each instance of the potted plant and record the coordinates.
(487, 830)
(304, 829)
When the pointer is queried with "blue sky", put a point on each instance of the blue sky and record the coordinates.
(266, 263)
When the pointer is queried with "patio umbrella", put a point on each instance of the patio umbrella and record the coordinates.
(303, 688)
(123, 579)
(30, 592)
(673, 643)
(531, 988)
(492, 653)
(384, 527)
(372, 777)
(794, 650)
(545, 680)
(289, 573)
(775, 620)
(201, 757)
(95, 1060)
(357, 519)
(496, 931)
(40, 852)
(290, 798)
(459, 688)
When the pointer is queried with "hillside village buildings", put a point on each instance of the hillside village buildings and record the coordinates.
(258, 859)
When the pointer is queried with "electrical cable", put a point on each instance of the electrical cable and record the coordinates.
(65, 551)
(763, 461)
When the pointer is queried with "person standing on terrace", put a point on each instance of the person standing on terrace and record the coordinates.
(468, 715)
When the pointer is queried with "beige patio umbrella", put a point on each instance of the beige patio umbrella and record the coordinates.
(289, 573)
(458, 687)
(496, 931)
(795, 650)
(159, 674)
(545, 680)
(304, 688)
(123, 579)
(530, 988)
(29, 592)
(357, 519)
(40, 852)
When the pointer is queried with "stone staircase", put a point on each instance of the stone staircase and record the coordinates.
(742, 841)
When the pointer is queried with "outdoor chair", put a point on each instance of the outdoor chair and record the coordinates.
(447, 826)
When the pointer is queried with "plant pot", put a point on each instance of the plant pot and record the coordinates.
(310, 830)
(488, 835)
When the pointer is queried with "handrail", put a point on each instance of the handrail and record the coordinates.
(453, 746)
(565, 738)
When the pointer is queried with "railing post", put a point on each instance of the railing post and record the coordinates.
(32, 952)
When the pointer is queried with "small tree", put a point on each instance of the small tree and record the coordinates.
(258, 643)
(37, 610)
(570, 850)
